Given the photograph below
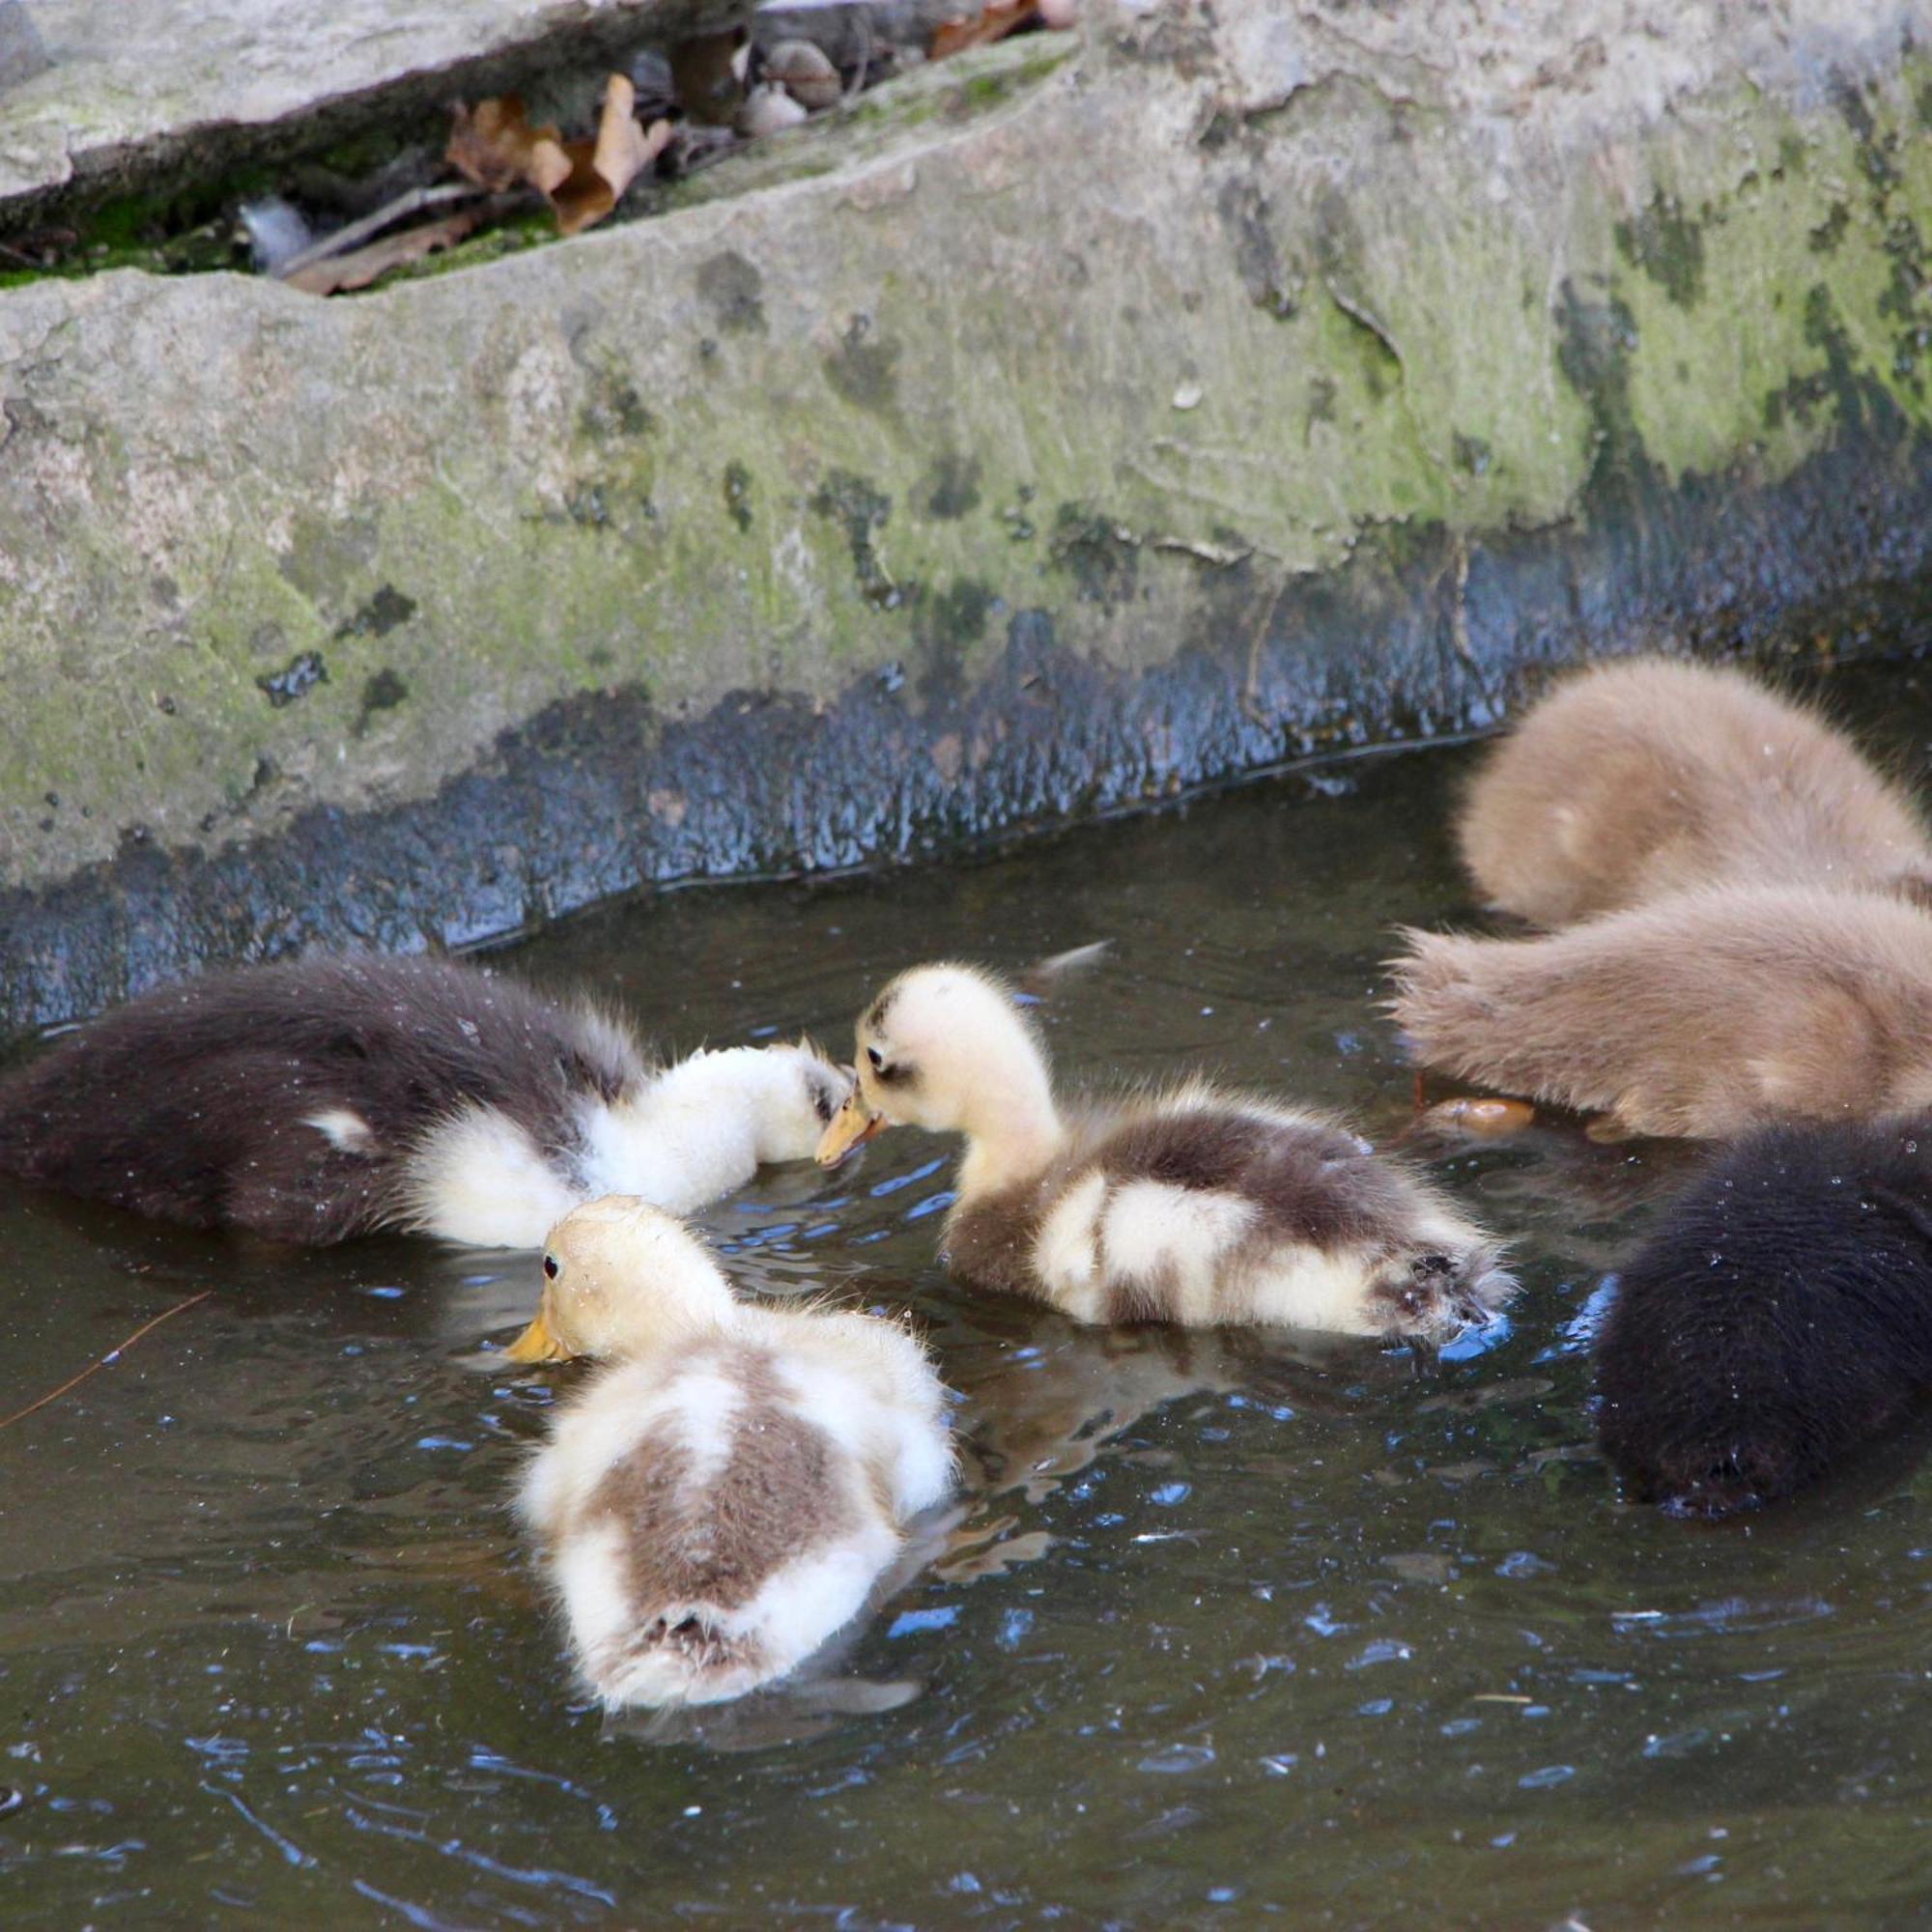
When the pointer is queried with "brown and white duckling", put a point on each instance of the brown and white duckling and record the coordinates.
(724, 1495)
(1195, 1205)
(328, 1097)
(1634, 779)
(1698, 1014)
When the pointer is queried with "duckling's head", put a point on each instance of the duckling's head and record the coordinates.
(619, 1278)
(799, 1090)
(945, 1048)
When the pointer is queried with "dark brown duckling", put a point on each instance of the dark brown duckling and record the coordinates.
(1776, 1318)
(1635, 780)
(328, 1097)
(1699, 1014)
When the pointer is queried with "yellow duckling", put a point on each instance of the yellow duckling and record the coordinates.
(1195, 1205)
(723, 1498)
(1638, 779)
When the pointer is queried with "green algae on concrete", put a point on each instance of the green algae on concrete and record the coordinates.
(1253, 409)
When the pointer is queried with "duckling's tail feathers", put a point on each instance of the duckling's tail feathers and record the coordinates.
(682, 1656)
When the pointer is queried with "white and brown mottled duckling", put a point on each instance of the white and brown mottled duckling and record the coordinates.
(1194, 1206)
(328, 1097)
(1775, 1319)
(1699, 1014)
(723, 1497)
(1635, 780)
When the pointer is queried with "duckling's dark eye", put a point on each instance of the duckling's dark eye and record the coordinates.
(877, 1059)
(550, 1268)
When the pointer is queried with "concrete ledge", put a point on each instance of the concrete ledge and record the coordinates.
(1066, 427)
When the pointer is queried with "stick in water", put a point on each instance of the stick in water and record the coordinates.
(113, 1355)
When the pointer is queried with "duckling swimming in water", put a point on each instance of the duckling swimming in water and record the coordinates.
(1699, 1014)
(1195, 1205)
(328, 1097)
(723, 1498)
(1777, 1318)
(1634, 779)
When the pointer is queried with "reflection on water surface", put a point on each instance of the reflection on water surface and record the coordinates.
(1225, 1626)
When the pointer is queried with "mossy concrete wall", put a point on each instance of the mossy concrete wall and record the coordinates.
(1075, 422)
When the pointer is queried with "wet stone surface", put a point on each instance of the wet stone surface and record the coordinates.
(1232, 1627)
(22, 52)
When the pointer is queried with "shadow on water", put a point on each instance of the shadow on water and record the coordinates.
(1220, 1627)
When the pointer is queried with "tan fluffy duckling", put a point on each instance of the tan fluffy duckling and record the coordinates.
(1700, 1014)
(1194, 1206)
(724, 1495)
(1634, 779)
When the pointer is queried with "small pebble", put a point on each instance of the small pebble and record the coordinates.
(276, 232)
(656, 88)
(768, 111)
(805, 73)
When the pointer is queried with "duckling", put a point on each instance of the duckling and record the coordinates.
(1194, 1206)
(330, 1097)
(1777, 1318)
(1637, 779)
(723, 1497)
(1698, 1014)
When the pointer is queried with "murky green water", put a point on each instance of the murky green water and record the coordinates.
(1233, 1628)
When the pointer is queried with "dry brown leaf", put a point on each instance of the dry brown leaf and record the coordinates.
(494, 145)
(358, 269)
(995, 22)
(601, 170)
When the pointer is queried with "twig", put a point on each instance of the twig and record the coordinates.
(342, 239)
(863, 72)
(51, 240)
(113, 1355)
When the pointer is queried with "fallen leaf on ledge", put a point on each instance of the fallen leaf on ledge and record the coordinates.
(358, 269)
(602, 170)
(994, 22)
(494, 146)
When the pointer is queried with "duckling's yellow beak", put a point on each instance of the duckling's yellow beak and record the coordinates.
(852, 1126)
(538, 1342)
